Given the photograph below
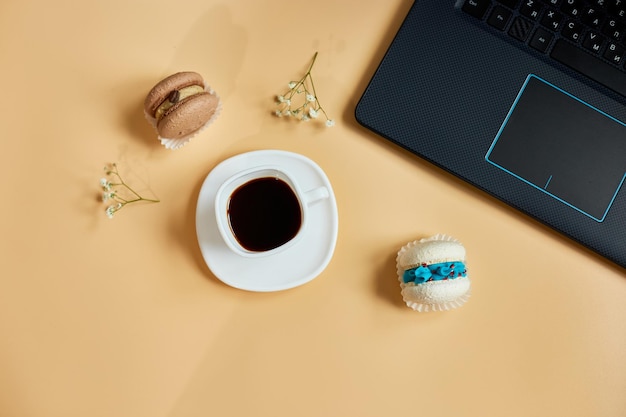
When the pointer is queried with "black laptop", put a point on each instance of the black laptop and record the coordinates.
(524, 99)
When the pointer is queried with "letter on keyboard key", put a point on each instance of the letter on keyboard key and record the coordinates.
(572, 30)
(530, 9)
(552, 20)
(614, 53)
(614, 29)
(588, 65)
(593, 42)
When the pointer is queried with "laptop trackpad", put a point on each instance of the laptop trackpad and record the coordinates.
(576, 154)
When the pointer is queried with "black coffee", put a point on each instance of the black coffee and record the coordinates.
(264, 214)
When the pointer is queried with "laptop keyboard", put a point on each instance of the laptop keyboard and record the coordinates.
(588, 36)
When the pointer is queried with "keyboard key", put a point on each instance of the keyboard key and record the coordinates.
(553, 3)
(573, 8)
(573, 30)
(617, 8)
(593, 17)
(587, 64)
(552, 20)
(614, 53)
(520, 29)
(614, 29)
(530, 9)
(476, 8)
(593, 42)
(499, 17)
(541, 40)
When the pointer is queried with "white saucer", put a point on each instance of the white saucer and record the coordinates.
(295, 266)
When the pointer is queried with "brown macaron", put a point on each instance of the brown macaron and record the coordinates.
(180, 105)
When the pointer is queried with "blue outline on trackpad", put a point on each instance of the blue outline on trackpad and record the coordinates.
(544, 188)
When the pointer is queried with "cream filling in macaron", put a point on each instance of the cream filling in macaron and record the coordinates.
(174, 98)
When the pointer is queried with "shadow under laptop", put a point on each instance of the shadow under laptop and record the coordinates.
(394, 25)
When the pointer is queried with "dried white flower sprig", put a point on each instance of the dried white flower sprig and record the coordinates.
(301, 101)
(117, 193)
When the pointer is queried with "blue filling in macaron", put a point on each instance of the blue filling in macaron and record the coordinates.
(434, 272)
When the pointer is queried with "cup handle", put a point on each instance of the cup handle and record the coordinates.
(316, 194)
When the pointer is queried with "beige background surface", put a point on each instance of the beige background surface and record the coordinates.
(122, 317)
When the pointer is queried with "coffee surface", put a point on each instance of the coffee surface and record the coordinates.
(264, 214)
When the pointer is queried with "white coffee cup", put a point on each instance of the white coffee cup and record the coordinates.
(230, 193)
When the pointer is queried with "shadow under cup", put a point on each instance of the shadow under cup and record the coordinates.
(262, 210)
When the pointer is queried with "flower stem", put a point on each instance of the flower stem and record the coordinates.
(112, 188)
(312, 63)
(311, 104)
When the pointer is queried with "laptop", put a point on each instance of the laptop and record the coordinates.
(524, 99)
